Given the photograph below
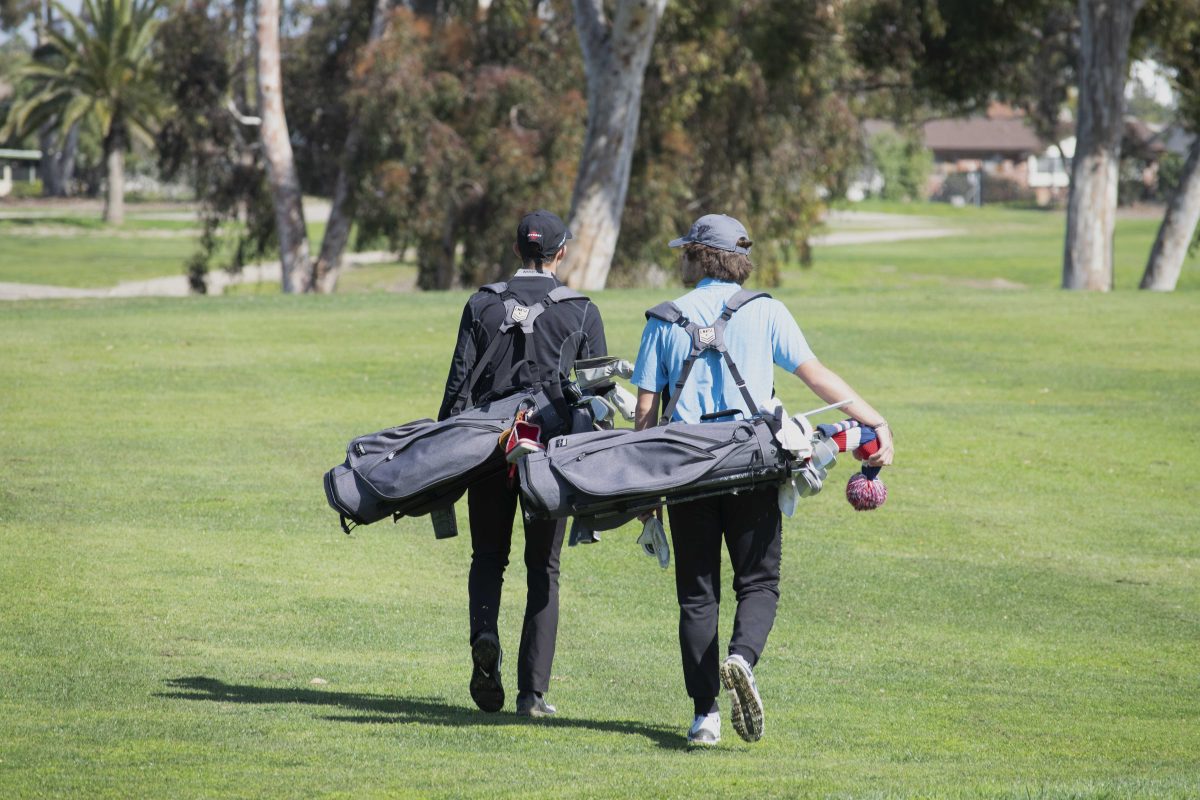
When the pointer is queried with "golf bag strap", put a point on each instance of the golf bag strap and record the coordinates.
(522, 317)
(668, 312)
(739, 299)
(711, 337)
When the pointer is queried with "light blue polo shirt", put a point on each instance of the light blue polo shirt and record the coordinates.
(762, 333)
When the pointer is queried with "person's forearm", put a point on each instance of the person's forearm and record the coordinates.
(646, 413)
(830, 387)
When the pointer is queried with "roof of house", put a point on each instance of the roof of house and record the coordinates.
(982, 135)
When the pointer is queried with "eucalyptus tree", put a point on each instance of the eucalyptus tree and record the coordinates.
(1177, 47)
(615, 53)
(294, 256)
(1105, 34)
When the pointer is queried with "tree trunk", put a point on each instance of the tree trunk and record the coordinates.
(66, 164)
(615, 56)
(341, 212)
(1105, 30)
(114, 197)
(1178, 228)
(281, 165)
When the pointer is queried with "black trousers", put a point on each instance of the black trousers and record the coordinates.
(492, 505)
(751, 526)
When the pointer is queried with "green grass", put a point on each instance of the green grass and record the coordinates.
(1022, 619)
(1017, 246)
(80, 251)
(1021, 246)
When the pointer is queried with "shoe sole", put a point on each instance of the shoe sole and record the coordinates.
(701, 743)
(746, 713)
(535, 713)
(486, 690)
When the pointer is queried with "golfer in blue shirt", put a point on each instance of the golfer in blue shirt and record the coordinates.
(716, 259)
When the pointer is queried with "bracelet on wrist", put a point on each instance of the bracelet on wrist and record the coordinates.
(883, 424)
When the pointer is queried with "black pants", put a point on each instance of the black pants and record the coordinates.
(750, 524)
(492, 505)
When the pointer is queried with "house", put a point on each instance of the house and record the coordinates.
(999, 145)
(17, 165)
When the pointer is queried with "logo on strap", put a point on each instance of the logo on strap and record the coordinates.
(707, 335)
(520, 314)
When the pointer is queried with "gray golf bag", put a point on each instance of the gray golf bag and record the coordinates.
(423, 467)
(606, 478)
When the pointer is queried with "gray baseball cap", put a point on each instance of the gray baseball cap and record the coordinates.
(716, 230)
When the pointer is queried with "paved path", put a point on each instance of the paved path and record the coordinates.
(873, 237)
(173, 285)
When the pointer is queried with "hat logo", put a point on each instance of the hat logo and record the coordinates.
(520, 314)
(707, 335)
(534, 235)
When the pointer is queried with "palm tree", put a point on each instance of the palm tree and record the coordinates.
(99, 70)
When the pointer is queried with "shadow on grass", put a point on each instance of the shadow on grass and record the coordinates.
(382, 709)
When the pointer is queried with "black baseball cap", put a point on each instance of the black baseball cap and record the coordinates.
(540, 235)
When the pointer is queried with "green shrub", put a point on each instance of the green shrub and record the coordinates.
(23, 190)
(903, 162)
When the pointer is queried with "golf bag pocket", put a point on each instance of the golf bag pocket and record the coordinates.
(413, 469)
(616, 472)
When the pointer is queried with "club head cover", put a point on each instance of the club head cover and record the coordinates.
(592, 371)
(865, 493)
(789, 497)
(623, 401)
(792, 438)
(654, 542)
(524, 439)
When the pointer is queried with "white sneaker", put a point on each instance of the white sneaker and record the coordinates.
(747, 710)
(705, 730)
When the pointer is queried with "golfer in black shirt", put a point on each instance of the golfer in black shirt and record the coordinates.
(563, 333)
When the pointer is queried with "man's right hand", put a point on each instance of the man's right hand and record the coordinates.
(654, 512)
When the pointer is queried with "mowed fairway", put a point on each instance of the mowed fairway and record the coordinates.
(1021, 619)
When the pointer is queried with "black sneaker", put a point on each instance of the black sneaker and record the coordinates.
(532, 704)
(486, 689)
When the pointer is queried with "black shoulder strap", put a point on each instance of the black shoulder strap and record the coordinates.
(522, 318)
(560, 294)
(710, 337)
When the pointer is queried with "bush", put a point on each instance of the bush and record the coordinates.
(996, 189)
(1170, 173)
(23, 190)
(1004, 190)
(903, 162)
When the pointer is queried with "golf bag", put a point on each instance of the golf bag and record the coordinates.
(606, 478)
(425, 466)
